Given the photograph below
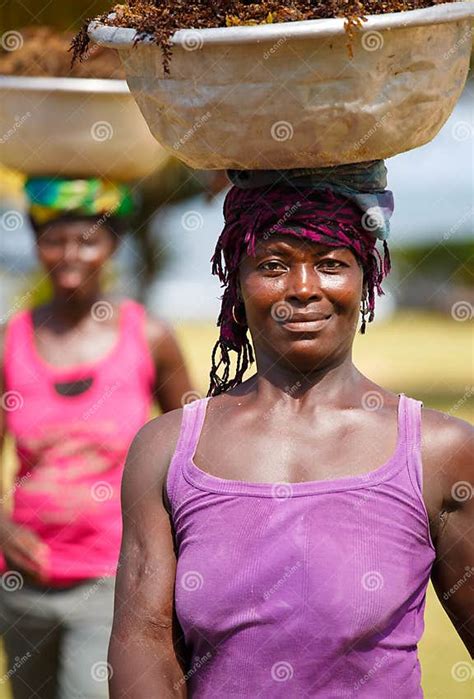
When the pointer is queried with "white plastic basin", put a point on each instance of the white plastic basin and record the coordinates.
(288, 95)
(75, 127)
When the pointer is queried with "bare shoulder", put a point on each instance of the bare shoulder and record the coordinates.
(161, 339)
(150, 454)
(447, 449)
(156, 329)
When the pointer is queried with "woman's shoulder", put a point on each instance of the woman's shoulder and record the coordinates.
(445, 429)
(447, 449)
(154, 444)
(9, 324)
(161, 432)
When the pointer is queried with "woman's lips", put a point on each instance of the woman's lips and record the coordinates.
(306, 326)
(69, 277)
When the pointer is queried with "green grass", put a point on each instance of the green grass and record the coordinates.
(430, 358)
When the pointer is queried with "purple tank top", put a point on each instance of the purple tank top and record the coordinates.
(310, 589)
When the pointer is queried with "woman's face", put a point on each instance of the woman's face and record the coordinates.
(302, 301)
(74, 253)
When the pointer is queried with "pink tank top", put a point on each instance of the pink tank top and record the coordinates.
(310, 589)
(72, 448)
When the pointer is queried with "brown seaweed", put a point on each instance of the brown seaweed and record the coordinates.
(161, 18)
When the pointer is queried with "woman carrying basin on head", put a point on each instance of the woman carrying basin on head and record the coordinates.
(80, 374)
(299, 526)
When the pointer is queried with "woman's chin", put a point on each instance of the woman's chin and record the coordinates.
(304, 357)
(69, 282)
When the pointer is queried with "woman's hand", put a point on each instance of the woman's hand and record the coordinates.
(24, 551)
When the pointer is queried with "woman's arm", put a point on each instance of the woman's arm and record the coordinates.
(452, 446)
(172, 379)
(21, 548)
(145, 652)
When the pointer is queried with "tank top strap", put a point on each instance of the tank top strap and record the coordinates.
(133, 318)
(411, 416)
(133, 330)
(18, 341)
(192, 421)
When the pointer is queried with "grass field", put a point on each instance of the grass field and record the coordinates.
(427, 357)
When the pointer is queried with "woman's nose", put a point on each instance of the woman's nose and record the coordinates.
(71, 251)
(303, 283)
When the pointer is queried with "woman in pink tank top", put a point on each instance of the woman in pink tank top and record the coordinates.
(280, 534)
(80, 375)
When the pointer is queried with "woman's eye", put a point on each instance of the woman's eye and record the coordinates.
(51, 242)
(272, 266)
(331, 264)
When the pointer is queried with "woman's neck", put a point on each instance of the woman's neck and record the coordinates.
(335, 385)
(71, 308)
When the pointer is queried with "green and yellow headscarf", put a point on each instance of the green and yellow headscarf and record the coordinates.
(51, 198)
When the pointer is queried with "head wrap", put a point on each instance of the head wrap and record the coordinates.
(362, 183)
(329, 208)
(52, 198)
